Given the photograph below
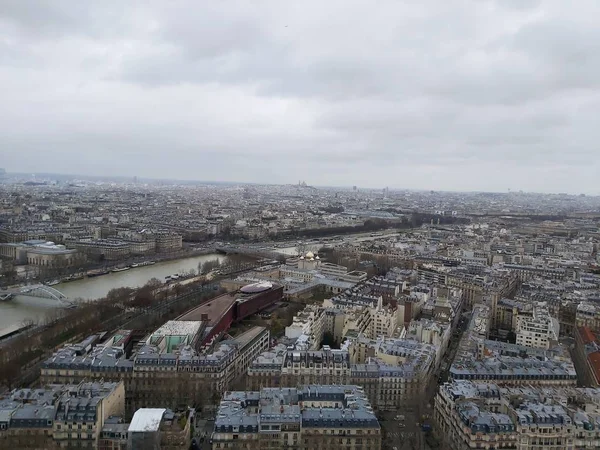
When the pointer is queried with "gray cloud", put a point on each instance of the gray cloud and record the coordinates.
(434, 95)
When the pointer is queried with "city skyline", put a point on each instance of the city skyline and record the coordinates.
(174, 181)
(455, 96)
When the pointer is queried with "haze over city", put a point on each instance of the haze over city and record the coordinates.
(440, 95)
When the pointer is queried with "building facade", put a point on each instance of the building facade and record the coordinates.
(470, 415)
(539, 330)
(303, 418)
(59, 416)
(161, 374)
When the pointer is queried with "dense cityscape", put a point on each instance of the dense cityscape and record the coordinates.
(340, 225)
(301, 317)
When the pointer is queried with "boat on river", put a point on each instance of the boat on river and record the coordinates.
(74, 278)
(97, 272)
(143, 264)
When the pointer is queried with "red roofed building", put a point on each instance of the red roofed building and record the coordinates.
(587, 357)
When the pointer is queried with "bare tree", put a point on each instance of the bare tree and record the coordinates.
(154, 283)
(209, 265)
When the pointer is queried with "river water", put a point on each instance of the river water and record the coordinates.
(20, 308)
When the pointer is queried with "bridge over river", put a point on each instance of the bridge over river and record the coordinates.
(36, 290)
(255, 252)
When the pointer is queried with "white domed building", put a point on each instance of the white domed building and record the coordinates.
(310, 261)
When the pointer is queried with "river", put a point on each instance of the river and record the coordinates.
(20, 308)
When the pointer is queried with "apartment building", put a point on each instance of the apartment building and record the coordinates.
(588, 315)
(59, 416)
(538, 330)
(340, 319)
(326, 366)
(480, 415)
(164, 372)
(104, 249)
(587, 357)
(508, 364)
(464, 424)
(168, 242)
(383, 321)
(526, 273)
(393, 371)
(302, 418)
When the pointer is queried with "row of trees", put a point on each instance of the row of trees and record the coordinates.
(383, 262)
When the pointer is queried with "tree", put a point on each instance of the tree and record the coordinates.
(277, 326)
(154, 283)
(144, 296)
(302, 249)
(208, 266)
(237, 262)
(9, 373)
(119, 295)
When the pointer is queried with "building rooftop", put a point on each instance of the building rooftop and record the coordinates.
(65, 403)
(249, 335)
(146, 420)
(213, 310)
(340, 407)
(178, 328)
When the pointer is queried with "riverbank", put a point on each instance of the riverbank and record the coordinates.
(106, 267)
(22, 308)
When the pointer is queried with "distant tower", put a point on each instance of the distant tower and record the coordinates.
(135, 180)
(354, 188)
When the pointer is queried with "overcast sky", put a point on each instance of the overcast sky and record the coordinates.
(448, 94)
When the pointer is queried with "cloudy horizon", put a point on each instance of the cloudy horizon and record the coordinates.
(454, 95)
